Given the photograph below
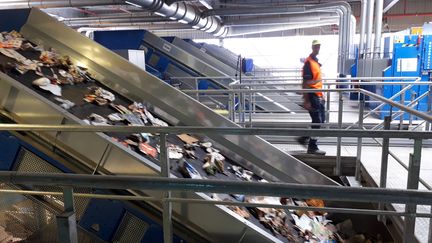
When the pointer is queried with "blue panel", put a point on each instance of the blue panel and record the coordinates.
(13, 19)
(162, 64)
(117, 40)
(427, 54)
(9, 149)
(247, 65)
(107, 214)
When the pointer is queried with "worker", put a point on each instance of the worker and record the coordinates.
(314, 101)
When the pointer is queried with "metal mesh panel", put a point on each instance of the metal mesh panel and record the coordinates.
(131, 229)
(29, 162)
(22, 218)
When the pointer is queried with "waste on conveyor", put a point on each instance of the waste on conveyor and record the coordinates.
(73, 88)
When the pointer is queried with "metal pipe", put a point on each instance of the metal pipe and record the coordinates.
(183, 13)
(413, 182)
(249, 30)
(359, 140)
(395, 104)
(20, 4)
(369, 27)
(255, 11)
(391, 98)
(111, 21)
(301, 19)
(294, 78)
(166, 205)
(339, 139)
(362, 27)
(384, 161)
(337, 193)
(328, 83)
(378, 27)
(216, 202)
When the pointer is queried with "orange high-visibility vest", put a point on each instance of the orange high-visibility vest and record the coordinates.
(316, 75)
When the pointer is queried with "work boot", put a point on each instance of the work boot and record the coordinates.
(316, 151)
(313, 147)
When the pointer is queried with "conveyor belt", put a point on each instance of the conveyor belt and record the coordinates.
(132, 83)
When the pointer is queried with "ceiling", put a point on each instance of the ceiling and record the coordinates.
(129, 15)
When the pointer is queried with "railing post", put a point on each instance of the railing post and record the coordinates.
(234, 106)
(430, 228)
(197, 88)
(66, 222)
(402, 102)
(240, 107)
(413, 96)
(328, 105)
(413, 181)
(339, 139)
(384, 163)
(167, 205)
(230, 106)
(360, 140)
(429, 107)
(250, 106)
(244, 108)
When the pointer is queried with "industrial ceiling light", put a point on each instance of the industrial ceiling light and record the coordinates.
(160, 14)
(133, 4)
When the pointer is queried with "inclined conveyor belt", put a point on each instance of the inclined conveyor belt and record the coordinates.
(130, 83)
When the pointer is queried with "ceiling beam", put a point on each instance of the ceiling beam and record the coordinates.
(388, 4)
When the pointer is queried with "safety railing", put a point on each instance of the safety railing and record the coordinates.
(410, 197)
(242, 112)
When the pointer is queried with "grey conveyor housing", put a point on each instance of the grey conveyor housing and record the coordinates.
(207, 66)
(132, 82)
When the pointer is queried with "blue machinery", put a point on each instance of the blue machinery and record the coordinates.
(411, 57)
(102, 218)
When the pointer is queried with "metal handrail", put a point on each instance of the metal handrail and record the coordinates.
(338, 193)
(217, 202)
(333, 83)
(223, 130)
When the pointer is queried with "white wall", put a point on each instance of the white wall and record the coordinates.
(285, 52)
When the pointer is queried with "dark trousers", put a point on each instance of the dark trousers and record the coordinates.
(317, 114)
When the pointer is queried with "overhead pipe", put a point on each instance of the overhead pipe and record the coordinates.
(343, 9)
(75, 22)
(281, 20)
(369, 27)
(346, 33)
(352, 35)
(17, 4)
(249, 30)
(362, 28)
(378, 27)
(178, 11)
(183, 13)
(142, 25)
(254, 11)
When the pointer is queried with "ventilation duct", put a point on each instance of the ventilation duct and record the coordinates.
(183, 13)
(253, 29)
(378, 27)
(112, 20)
(282, 20)
(178, 11)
